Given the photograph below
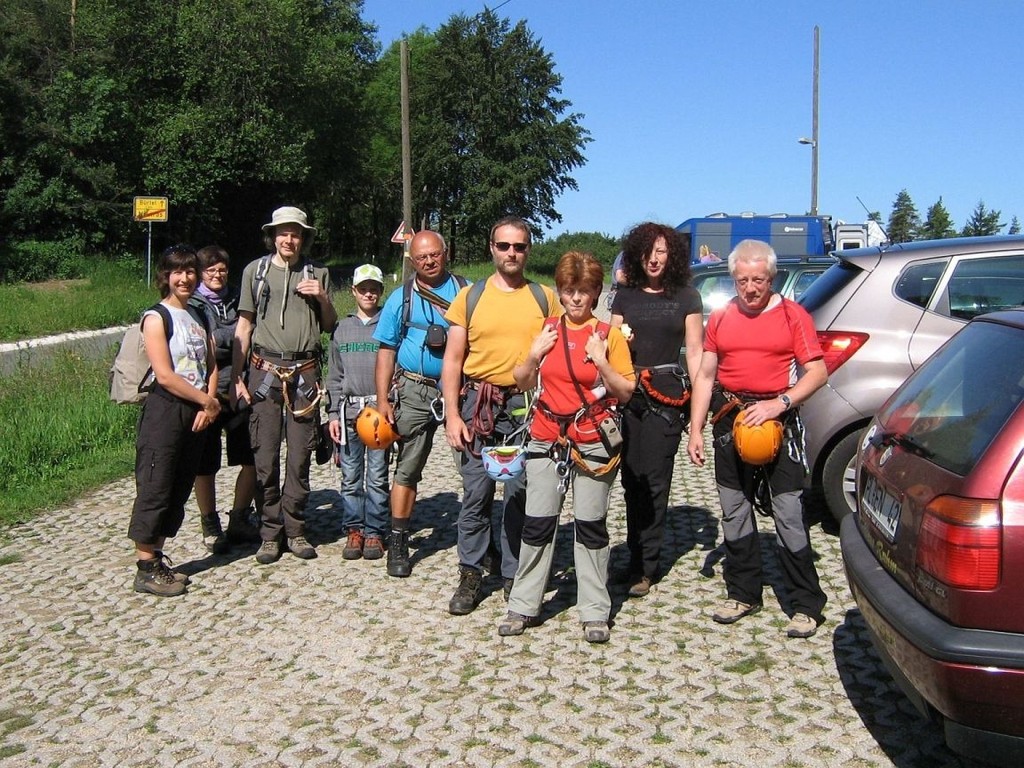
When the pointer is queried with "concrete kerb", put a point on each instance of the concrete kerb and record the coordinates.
(329, 661)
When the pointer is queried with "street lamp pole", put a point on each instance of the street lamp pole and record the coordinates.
(813, 141)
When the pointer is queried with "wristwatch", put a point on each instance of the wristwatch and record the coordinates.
(786, 401)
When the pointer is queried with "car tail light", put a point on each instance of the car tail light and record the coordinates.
(961, 541)
(839, 346)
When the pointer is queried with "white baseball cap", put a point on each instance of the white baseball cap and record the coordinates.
(366, 272)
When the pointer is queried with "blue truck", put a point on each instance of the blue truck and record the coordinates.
(712, 237)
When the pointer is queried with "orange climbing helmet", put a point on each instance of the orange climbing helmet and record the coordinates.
(757, 445)
(374, 430)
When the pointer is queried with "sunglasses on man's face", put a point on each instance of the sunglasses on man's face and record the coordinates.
(517, 247)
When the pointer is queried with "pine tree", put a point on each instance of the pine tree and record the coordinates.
(904, 221)
(982, 222)
(1014, 227)
(937, 224)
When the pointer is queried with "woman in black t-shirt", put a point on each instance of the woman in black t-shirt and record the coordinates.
(659, 313)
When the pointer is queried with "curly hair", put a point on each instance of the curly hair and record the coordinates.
(638, 244)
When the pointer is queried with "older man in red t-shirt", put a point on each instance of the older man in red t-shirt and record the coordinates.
(754, 349)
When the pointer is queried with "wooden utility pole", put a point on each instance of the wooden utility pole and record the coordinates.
(406, 152)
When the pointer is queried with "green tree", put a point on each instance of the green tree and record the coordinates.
(228, 108)
(904, 221)
(982, 222)
(491, 135)
(545, 254)
(937, 224)
(1014, 227)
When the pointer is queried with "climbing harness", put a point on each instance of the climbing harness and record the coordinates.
(287, 375)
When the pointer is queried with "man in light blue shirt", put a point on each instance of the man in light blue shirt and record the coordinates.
(412, 333)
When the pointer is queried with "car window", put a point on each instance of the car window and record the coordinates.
(803, 281)
(956, 404)
(917, 282)
(716, 288)
(831, 282)
(985, 285)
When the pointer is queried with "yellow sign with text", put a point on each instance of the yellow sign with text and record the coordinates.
(150, 209)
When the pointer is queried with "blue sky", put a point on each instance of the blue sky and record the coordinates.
(697, 107)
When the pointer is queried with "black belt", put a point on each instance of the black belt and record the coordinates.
(262, 352)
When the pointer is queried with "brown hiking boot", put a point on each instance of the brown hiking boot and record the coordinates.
(269, 552)
(354, 546)
(373, 547)
(640, 586)
(301, 548)
(154, 577)
(178, 576)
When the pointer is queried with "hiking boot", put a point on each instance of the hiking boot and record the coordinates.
(733, 610)
(182, 577)
(269, 552)
(596, 631)
(801, 625)
(243, 526)
(398, 554)
(373, 547)
(301, 548)
(467, 594)
(506, 588)
(353, 546)
(213, 535)
(515, 624)
(153, 576)
(640, 586)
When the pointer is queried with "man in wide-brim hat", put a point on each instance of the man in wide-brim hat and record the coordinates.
(285, 305)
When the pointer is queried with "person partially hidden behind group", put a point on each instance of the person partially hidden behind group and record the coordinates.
(747, 374)
(180, 407)
(219, 302)
(581, 368)
(285, 305)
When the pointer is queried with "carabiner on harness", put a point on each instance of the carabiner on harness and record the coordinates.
(437, 409)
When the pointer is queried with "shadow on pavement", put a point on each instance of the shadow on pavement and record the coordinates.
(908, 739)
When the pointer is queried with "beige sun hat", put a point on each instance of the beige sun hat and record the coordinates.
(288, 215)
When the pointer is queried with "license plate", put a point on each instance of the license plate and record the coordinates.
(882, 507)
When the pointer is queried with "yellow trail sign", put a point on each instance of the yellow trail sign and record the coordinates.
(150, 209)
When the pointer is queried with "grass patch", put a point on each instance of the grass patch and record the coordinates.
(745, 666)
(61, 435)
(115, 293)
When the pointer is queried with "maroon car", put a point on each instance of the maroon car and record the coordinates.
(935, 552)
